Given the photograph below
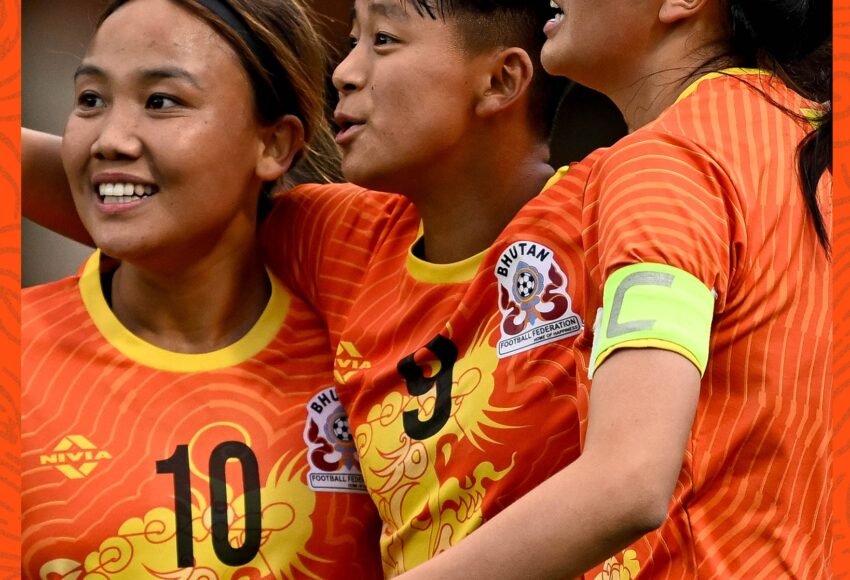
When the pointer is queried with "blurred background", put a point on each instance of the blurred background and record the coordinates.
(55, 35)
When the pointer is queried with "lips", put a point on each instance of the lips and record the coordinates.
(552, 24)
(348, 126)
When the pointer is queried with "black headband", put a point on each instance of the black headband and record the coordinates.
(273, 104)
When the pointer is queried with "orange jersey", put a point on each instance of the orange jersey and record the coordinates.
(459, 379)
(711, 188)
(143, 463)
(321, 239)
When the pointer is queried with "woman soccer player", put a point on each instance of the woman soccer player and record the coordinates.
(706, 233)
(178, 418)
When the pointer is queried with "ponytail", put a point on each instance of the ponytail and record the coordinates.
(793, 40)
(814, 157)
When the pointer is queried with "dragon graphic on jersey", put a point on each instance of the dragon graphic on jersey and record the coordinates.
(145, 547)
(425, 509)
(614, 569)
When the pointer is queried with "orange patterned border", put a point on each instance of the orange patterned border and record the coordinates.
(10, 60)
(10, 283)
(841, 288)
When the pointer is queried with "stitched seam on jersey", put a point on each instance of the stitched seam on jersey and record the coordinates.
(149, 355)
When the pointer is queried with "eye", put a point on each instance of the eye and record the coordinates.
(382, 39)
(159, 101)
(89, 100)
(352, 43)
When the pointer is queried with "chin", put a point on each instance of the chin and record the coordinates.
(366, 177)
(552, 61)
(401, 176)
(119, 246)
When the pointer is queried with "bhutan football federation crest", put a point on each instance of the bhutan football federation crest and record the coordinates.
(536, 308)
(334, 465)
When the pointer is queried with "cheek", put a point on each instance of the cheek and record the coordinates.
(226, 138)
(77, 142)
(438, 108)
(188, 152)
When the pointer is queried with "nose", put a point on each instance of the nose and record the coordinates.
(119, 135)
(350, 74)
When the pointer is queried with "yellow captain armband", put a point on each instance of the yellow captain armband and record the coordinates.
(654, 306)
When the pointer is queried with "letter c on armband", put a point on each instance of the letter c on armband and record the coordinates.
(654, 306)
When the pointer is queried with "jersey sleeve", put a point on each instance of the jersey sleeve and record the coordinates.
(661, 235)
(319, 240)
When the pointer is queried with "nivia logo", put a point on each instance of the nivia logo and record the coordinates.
(348, 362)
(75, 457)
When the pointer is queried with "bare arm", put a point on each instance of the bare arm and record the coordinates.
(642, 407)
(46, 197)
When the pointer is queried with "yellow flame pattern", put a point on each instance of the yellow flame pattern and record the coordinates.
(423, 513)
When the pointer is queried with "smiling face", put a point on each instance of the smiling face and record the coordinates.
(407, 95)
(163, 145)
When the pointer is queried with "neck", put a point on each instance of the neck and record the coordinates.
(666, 73)
(466, 205)
(207, 306)
(645, 102)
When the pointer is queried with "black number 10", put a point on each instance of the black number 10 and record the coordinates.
(178, 464)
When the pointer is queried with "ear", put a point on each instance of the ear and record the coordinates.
(508, 78)
(282, 141)
(674, 11)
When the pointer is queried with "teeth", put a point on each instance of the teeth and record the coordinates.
(128, 190)
(554, 6)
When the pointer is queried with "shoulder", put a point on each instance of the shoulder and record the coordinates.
(48, 311)
(322, 191)
(341, 193)
(574, 175)
(651, 156)
(50, 293)
(338, 205)
(728, 110)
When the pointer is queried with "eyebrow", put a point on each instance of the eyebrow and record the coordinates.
(88, 70)
(148, 74)
(385, 8)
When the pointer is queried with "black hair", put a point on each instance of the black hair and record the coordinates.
(487, 24)
(793, 40)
